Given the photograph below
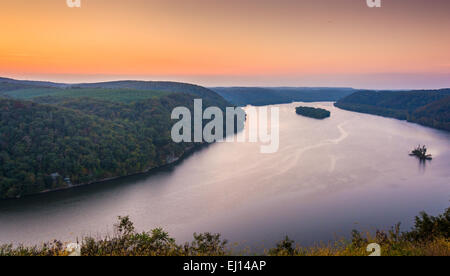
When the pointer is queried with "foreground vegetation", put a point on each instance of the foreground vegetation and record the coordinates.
(429, 237)
(311, 112)
(428, 107)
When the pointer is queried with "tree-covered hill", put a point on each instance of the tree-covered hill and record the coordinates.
(11, 87)
(29, 84)
(435, 114)
(163, 86)
(258, 96)
(116, 95)
(427, 107)
(53, 137)
(98, 141)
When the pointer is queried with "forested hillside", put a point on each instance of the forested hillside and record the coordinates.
(427, 107)
(19, 88)
(116, 95)
(257, 96)
(27, 83)
(53, 137)
(163, 86)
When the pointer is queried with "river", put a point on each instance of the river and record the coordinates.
(328, 177)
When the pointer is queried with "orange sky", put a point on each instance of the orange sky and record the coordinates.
(229, 42)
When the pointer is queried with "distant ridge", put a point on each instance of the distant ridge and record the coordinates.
(426, 107)
(32, 83)
(166, 86)
(7, 84)
(243, 96)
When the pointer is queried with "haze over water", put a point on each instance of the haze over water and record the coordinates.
(328, 177)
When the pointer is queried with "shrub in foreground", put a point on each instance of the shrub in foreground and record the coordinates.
(429, 237)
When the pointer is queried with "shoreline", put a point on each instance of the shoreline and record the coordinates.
(174, 162)
(384, 115)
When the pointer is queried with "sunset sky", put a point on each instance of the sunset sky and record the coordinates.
(404, 44)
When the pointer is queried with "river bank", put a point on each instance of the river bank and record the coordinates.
(171, 162)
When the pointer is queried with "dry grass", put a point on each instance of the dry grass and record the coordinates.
(429, 237)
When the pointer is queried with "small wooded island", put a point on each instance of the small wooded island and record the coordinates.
(317, 113)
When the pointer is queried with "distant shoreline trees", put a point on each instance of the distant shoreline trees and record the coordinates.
(426, 107)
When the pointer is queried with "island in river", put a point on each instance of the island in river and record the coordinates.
(316, 113)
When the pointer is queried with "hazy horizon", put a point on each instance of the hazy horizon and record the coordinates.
(366, 82)
(402, 45)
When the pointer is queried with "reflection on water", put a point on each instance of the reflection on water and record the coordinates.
(423, 165)
(328, 177)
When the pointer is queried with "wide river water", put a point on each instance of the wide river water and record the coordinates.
(328, 177)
